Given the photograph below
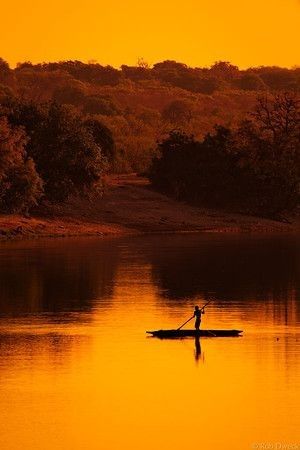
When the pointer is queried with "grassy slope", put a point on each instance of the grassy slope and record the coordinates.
(129, 206)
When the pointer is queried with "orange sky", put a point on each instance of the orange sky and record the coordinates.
(197, 32)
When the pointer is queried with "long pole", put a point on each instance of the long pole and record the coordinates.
(185, 323)
(193, 315)
(206, 304)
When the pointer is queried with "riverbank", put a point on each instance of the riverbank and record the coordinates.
(130, 206)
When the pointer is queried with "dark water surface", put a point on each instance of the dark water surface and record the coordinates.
(78, 372)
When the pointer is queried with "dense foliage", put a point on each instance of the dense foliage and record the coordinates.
(20, 185)
(254, 167)
(64, 123)
(142, 104)
(48, 151)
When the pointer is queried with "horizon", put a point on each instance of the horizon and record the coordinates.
(198, 34)
(136, 64)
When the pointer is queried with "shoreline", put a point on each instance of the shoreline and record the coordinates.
(129, 207)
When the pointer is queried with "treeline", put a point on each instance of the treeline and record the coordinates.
(142, 104)
(48, 152)
(253, 168)
(219, 76)
(63, 125)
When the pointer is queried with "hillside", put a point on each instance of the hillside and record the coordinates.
(66, 126)
(141, 104)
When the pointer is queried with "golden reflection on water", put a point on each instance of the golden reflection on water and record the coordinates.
(78, 372)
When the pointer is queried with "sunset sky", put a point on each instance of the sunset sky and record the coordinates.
(197, 32)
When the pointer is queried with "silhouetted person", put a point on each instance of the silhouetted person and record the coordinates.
(197, 313)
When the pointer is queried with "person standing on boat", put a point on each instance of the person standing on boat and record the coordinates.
(198, 313)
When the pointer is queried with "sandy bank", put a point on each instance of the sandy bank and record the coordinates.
(129, 206)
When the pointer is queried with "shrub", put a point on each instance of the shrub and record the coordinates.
(254, 168)
(20, 185)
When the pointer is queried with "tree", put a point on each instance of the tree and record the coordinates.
(6, 74)
(278, 78)
(63, 148)
(5, 92)
(142, 63)
(103, 138)
(20, 185)
(224, 70)
(168, 172)
(96, 104)
(279, 117)
(254, 168)
(66, 154)
(178, 111)
(169, 71)
(69, 95)
(249, 82)
(142, 72)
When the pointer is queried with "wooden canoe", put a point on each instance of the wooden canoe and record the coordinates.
(194, 333)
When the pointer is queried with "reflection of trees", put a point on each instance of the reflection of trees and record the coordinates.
(70, 275)
(61, 276)
(226, 267)
(53, 350)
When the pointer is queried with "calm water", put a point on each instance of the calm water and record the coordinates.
(77, 371)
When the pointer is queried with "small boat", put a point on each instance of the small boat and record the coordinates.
(194, 333)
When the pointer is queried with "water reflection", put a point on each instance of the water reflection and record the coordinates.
(72, 275)
(197, 348)
(27, 352)
(263, 271)
(55, 276)
(75, 365)
(227, 267)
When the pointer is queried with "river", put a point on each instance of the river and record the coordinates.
(78, 372)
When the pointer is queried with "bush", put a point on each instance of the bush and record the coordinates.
(66, 150)
(20, 185)
(254, 168)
